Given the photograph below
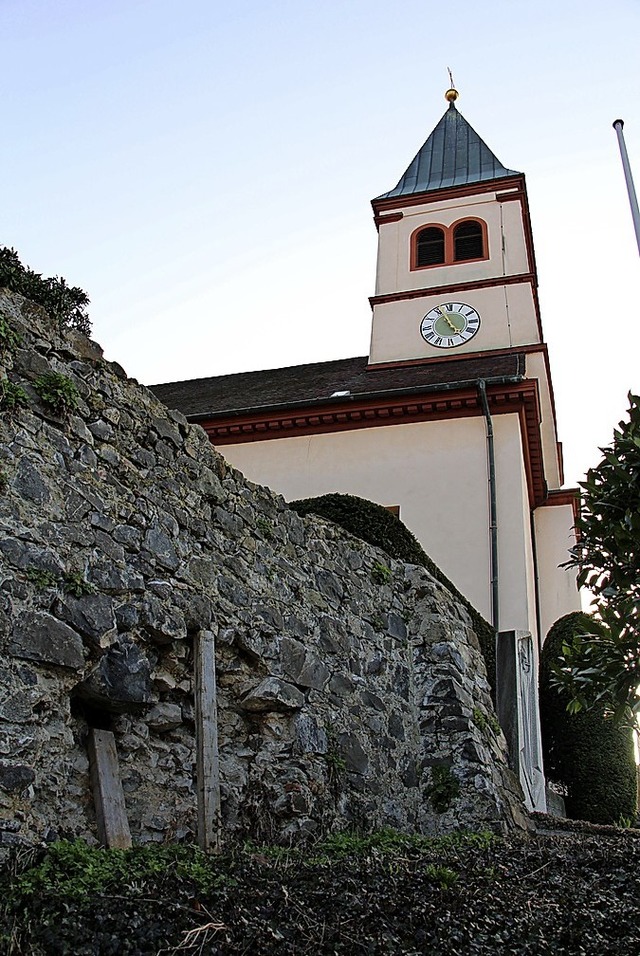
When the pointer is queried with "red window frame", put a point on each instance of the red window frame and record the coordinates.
(449, 250)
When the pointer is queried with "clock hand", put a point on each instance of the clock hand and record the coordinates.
(445, 316)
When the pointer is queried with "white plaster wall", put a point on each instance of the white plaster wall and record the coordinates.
(516, 260)
(507, 316)
(437, 473)
(559, 593)
(536, 368)
(515, 554)
(394, 240)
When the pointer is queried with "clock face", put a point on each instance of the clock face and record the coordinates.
(449, 325)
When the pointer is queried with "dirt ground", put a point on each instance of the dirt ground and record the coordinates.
(574, 890)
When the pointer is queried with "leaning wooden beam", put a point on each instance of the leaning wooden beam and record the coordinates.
(207, 766)
(111, 812)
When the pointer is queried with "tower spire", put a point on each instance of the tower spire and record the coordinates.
(453, 155)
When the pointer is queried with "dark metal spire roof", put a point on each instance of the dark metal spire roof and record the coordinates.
(453, 155)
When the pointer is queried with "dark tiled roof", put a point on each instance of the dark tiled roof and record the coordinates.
(301, 385)
(453, 155)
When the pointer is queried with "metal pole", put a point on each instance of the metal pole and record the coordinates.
(633, 199)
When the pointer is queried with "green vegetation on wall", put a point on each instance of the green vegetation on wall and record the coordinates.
(66, 305)
(57, 391)
(376, 525)
(9, 340)
(588, 755)
(11, 395)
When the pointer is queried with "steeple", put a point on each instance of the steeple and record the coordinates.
(453, 235)
(453, 155)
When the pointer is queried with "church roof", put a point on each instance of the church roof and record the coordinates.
(327, 382)
(453, 155)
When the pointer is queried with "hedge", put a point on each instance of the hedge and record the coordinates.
(378, 526)
(590, 756)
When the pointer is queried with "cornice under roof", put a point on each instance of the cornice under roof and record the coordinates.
(326, 382)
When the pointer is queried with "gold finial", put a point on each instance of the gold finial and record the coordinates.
(452, 94)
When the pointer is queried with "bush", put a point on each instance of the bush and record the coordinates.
(374, 524)
(11, 396)
(9, 340)
(590, 756)
(65, 304)
(58, 392)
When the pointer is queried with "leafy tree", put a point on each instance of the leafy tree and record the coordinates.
(604, 668)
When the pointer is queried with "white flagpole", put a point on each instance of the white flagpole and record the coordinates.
(633, 199)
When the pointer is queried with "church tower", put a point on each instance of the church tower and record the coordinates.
(456, 272)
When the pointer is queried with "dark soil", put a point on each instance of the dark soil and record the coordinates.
(551, 893)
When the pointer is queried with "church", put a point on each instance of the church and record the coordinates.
(450, 419)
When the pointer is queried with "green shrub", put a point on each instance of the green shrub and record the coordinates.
(73, 870)
(42, 578)
(381, 574)
(65, 304)
(588, 755)
(11, 396)
(374, 524)
(9, 340)
(444, 788)
(57, 391)
(75, 583)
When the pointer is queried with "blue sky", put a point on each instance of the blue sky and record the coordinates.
(204, 171)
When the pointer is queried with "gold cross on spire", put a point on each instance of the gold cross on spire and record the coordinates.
(452, 94)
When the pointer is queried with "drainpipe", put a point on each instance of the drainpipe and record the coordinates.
(493, 507)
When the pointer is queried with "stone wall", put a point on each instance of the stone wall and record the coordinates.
(352, 691)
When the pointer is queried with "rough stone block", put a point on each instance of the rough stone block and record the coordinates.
(30, 483)
(15, 776)
(330, 585)
(353, 754)
(309, 737)
(396, 627)
(160, 546)
(163, 622)
(121, 681)
(273, 694)
(164, 717)
(92, 615)
(301, 666)
(38, 636)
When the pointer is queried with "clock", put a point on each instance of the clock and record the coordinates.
(449, 325)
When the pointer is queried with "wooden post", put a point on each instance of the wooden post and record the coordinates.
(111, 812)
(207, 766)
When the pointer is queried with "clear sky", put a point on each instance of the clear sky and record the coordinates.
(204, 171)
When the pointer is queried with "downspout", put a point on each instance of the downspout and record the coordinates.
(493, 507)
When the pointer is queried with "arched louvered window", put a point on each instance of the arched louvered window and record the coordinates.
(430, 247)
(467, 241)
